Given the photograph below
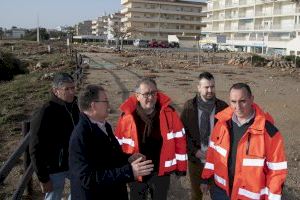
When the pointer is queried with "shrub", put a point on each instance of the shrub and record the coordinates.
(258, 59)
(292, 59)
(10, 66)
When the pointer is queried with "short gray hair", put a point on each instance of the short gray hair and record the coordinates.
(145, 80)
(88, 95)
(61, 78)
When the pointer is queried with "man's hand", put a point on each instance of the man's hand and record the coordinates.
(46, 187)
(204, 188)
(199, 154)
(141, 168)
(136, 156)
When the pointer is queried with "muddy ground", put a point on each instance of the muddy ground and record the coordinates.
(276, 90)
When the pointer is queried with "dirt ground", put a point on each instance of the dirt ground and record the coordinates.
(275, 91)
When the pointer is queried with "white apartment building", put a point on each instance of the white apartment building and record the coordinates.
(113, 25)
(156, 19)
(259, 26)
(98, 26)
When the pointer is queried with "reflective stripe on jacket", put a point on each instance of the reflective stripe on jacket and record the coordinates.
(173, 155)
(261, 165)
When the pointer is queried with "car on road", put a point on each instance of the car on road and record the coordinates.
(140, 43)
(173, 44)
(209, 47)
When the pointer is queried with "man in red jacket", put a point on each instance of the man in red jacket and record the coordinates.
(246, 153)
(150, 126)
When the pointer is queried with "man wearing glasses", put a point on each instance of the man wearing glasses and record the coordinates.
(150, 126)
(98, 167)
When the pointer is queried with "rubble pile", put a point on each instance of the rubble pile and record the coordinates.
(280, 64)
(248, 61)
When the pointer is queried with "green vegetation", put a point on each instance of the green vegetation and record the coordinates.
(31, 35)
(10, 66)
(19, 98)
(258, 59)
(293, 58)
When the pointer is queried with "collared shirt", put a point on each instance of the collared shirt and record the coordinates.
(101, 125)
(235, 119)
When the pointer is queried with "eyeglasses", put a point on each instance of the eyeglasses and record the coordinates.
(149, 94)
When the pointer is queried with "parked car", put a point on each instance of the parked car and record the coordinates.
(163, 44)
(174, 44)
(153, 44)
(140, 43)
(209, 47)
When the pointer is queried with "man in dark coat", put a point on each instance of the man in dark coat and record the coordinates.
(98, 167)
(51, 128)
(198, 119)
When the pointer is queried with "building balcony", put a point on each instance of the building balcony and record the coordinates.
(164, 11)
(207, 20)
(249, 16)
(263, 14)
(161, 20)
(166, 30)
(281, 12)
(245, 28)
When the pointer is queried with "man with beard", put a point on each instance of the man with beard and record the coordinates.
(150, 126)
(198, 119)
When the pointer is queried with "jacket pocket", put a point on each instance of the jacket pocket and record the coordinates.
(255, 146)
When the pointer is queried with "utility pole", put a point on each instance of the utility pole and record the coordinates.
(38, 30)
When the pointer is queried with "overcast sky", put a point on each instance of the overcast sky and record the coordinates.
(53, 13)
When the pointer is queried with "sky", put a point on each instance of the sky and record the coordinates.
(53, 13)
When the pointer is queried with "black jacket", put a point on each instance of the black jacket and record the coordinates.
(98, 167)
(51, 128)
(189, 117)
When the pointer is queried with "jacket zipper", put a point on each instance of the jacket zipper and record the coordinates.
(248, 144)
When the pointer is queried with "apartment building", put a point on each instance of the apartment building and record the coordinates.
(113, 25)
(98, 26)
(260, 26)
(84, 28)
(154, 19)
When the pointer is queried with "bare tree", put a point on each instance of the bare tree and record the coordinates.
(1, 33)
(121, 32)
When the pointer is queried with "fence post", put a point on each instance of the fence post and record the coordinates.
(27, 160)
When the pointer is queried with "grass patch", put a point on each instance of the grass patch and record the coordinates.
(19, 98)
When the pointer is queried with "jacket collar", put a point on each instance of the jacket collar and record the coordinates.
(130, 104)
(259, 121)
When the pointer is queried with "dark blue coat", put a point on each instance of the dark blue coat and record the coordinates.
(98, 167)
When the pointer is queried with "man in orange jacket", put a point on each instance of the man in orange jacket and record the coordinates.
(246, 153)
(150, 126)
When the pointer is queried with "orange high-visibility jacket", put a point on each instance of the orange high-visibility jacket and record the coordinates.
(261, 165)
(173, 156)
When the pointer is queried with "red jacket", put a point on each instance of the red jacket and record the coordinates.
(261, 165)
(173, 155)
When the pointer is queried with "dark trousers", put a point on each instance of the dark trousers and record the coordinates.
(195, 171)
(156, 186)
(219, 194)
